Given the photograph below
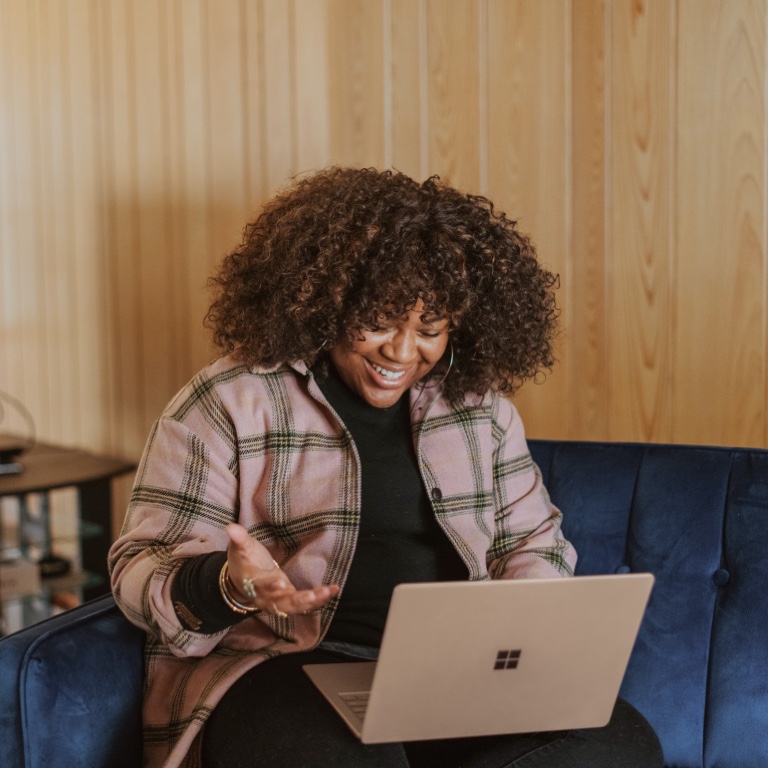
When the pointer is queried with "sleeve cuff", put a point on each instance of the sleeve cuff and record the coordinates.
(196, 597)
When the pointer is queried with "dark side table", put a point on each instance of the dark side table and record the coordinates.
(50, 467)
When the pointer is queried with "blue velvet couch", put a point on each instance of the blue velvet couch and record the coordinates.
(696, 517)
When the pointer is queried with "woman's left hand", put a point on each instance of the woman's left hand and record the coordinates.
(259, 581)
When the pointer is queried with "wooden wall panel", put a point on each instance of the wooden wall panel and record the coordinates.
(226, 119)
(640, 218)
(585, 321)
(453, 91)
(627, 137)
(172, 203)
(51, 182)
(24, 313)
(9, 262)
(81, 246)
(275, 100)
(408, 78)
(528, 134)
(145, 205)
(119, 212)
(312, 128)
(356, 81)
(720, 281)
(194, 210)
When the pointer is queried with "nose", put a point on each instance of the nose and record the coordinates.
(400, 347)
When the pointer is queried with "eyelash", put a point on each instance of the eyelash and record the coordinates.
(423, 334)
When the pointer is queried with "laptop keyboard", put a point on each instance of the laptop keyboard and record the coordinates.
(357, 701)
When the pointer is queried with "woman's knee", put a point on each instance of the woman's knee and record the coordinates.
(637, 745)
(627, 741)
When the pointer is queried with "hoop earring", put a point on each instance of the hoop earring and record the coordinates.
(450, 365)
(431, 386)
(448, 370)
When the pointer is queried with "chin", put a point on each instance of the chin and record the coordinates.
(383, 399)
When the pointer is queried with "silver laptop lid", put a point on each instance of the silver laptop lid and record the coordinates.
(481, 658)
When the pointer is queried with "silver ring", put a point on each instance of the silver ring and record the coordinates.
(249, 589)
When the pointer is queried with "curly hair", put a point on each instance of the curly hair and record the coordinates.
(343, 248)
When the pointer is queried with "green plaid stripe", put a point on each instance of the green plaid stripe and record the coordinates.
(508, 468)
(554, 555)
(192, 490)
(304, 526)
(504, 470)
(497, 431)
(471, 416)
(463, 503)
(467, 421)
(143, 464)
(182, 504)
(203, 397)
(163, 735)
(350, 492)
(255, 446)
(202, 387)
(278, 500)
(506, 540)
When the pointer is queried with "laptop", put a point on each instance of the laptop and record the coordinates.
(492, 657)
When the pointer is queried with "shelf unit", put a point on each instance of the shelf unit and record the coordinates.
(83, 482)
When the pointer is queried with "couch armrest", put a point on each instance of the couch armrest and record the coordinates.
(70, 691)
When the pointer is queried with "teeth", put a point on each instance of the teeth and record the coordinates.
(387, 374)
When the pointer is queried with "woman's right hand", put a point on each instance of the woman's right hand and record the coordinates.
(273, 592)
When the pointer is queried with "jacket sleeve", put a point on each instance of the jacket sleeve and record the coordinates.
(185, 494)
(527, 541)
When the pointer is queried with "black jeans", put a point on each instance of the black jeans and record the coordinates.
(274, 717)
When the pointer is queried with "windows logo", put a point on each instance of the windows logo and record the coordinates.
(507, 659)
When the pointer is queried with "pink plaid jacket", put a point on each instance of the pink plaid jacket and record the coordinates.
(265, 449)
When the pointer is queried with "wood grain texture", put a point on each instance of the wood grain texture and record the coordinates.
(453, 91)
(356, 82)
(408, 61)
(720, 285)
(276, 105)
(640, 220)
(123, 213)
(629, 138)
(27, 311)
(312, 124)
(529, 119)
(191, 202)
(585, 322)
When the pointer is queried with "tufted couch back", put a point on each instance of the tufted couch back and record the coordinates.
(696, 517)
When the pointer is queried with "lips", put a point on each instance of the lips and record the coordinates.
(386, 378)
(386, 373)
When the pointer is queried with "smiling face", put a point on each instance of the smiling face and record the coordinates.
(380, 364)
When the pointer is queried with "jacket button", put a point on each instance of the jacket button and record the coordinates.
(437, 494)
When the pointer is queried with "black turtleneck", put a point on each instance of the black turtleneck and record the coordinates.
(400, 540)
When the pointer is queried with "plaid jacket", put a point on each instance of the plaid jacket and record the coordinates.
(265, 449)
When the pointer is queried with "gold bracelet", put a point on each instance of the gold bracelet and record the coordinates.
(229, 599)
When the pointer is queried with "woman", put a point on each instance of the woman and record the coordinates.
(355, 435)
